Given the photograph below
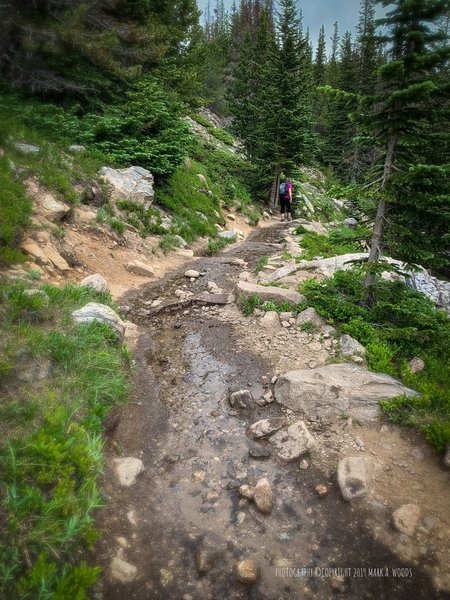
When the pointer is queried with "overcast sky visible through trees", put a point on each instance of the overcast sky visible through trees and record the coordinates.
(319, 12)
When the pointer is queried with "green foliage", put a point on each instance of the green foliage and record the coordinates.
(263, 261)
(402, 324)
(308, 327)
(249, 303)
(341, 240)
(15, 209)
(52, 451)
(215, 245)
(221, 134)
(103, 216)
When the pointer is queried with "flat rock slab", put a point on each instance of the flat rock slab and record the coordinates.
(244, 289)
(138, 267)
(102, 314)
(122, 571)
(293, 442)
(33, 249)
(352, 477)
(55, 258)
(127, 469)
(335, 389)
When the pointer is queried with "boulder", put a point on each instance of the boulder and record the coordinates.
(40, 294)
(309, 315)
(316, 227)
(336, 389)
(406, 518)
(127, 469)
(55, 258)
(181, 242)
(350, 346)
(26, 148)
(293, 442)
(351, 222)
(102, 314)
(241, 399)
(353, 477)
(95, 282)
(139, 268)
(192, 274)
(133, 183)
(77, 148)
(263, 496)
(244, 289)
(33, 249)
(270, 320)
(266, 427)
(416, 365)
(53, 210)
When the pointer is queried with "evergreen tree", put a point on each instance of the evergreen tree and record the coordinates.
(332, 70)
(411, 97)
(368, 47)
(321, 60)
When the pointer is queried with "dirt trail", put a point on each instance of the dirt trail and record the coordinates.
(196, 454)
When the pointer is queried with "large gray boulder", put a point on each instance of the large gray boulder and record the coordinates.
(133, 183)
(102, 314)
(245, 289)
(336, 389)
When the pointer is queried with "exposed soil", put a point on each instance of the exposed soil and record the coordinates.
(196, 454)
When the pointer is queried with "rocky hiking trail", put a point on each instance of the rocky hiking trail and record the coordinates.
(199, 506)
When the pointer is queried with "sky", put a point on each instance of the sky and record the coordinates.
(320, 12)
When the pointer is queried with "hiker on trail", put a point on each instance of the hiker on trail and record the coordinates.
(285, 197)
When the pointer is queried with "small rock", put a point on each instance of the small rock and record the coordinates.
(247, 571)
(263, 496)
(270, 320)
(240, 517)
(241, 399)
(36, 371)
(265, 427)
(406, 518)
(199, 476)
(416, 365)
(256, 451)
(122, 571)
(27, 148)
(352, 477)
(339, 584)
(351, 222)
(350, 346)
(128, 469)
(95, 282)
(304, 464)
(206, 557)
(93, 311)
(321, 490)
(231, 217)
(294, 442)
(76, 148)
(192, 274)
(247, 491)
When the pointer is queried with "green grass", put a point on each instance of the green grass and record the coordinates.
(263, 261)
(402, 324)
(217, 244)
(341, 240)
(51, 442)
(250, 303)
(220, 134)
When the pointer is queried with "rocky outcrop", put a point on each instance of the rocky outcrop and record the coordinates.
(133, 183)
(101, 313)
(245, 289)
(336, 389)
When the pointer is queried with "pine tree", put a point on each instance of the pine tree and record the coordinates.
(320, 60)
(332, 69)
(368, 47)
(411, 97)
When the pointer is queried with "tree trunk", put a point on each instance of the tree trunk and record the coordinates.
(274, 188)
(378, 229)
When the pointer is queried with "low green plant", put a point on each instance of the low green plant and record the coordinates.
(215, 245)
(308, 327)
(249, 303)
(341, 240)
(263, 261)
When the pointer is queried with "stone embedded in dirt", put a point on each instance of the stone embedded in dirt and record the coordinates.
(33, 249)
(229, 234)
(263, 496)
(259, 452)
(337, 388)
(101, 313)
(304, 464)
(270, 320)
(198, 476)
(55, 258)
(406, 518)
(36, 371)
(233, 260)
(247, 491)
(241, 399)
(244, 289)
(132, 183)
(293, 442)
(309, 315)
(128, 469)
(76, 148)
(96, 282)
(139, 268)
(53, 210)
(208, 552)
(231, 217)
(416, 365)
(353, 477)
(247, 571)
(192, 273)
(265, 427)
(321, 490)
(185, 252)
(350, 346)
(131, 335)
(122, 571)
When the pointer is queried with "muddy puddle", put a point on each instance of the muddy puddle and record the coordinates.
(196, 453)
